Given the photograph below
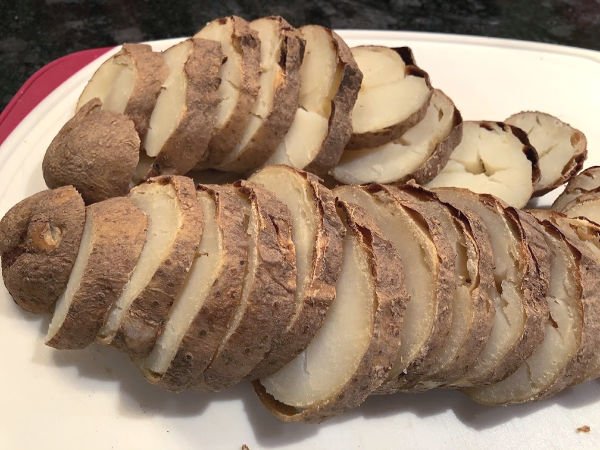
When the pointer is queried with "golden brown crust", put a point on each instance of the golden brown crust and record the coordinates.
(188, 143)
(205, 333)
(586, 182)
(142, 323)
(285, 100)
(320, 291)
(118, 234)
(270, 298)
(359, 141)
(39, 241)
(96, 151)
(340, 119)
(151, 72)
(247, 44)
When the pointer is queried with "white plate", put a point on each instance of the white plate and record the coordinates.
(95, 399)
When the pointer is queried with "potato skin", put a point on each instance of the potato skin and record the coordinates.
(320, 291)
(209, 326)
(39, 241)
(96, 151)
(340, 120)
(390, 304)
(118, 236)
(270, 302)
(143, 321)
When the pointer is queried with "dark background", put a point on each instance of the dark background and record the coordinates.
(34, 32)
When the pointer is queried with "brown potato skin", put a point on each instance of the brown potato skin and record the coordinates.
(320, 291)
(39, 241)
(96, 151)
(118, 236)
(340, 120)
(270, 303)
(390, 302)
(210, 324)
(247, 44)
(188, 143)
(285, 102)
(142, 323)
(371, 139)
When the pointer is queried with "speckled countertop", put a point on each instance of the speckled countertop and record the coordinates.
(34, 32)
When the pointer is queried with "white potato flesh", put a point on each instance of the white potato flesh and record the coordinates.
(398, 159)
(509, 319)
(231, 70)
(588, 208)
(332, 357)
(64, 302)
(489, 161)
(203, 273)
(171, 102)
(555, 141)
(112, 83)
(294, 191)
(419, 261)
(387, 95)
(318, 85)
(546, 364)
(160, 204)
(270, 75)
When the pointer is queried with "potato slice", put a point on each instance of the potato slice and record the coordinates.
(585, 205)
(519, 297)
(393, 96)
(136, 319)
(546, 371)
(39, 242)
(329, 84)
(281, 53)
(96, 151)
(112, 240)
(317, 234)
(267, 302)
(419, 154)
(185, 116)
(128, 83)
(203, 309)
(238, 90)
(561, 148)
(355, 348)
(428, 276)
(492, 158)
(584, 182)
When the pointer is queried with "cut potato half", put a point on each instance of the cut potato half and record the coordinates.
(96, 151)
(281, 53)
(206, 305)
(329, 84)
(492, 158)
(519, 297)
(419, 154)
(585, 205)
(128, 83)
(352, 353)
(267, 302)
(317, 233)
(174, 215)
(561, 148)
(39, 242)
(426, 313)
(584, 182)
(112, 240)
(393, 96)
(546, 371)
(239, 85)
(184, 118)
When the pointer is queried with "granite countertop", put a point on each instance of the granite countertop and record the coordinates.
(34, 32)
